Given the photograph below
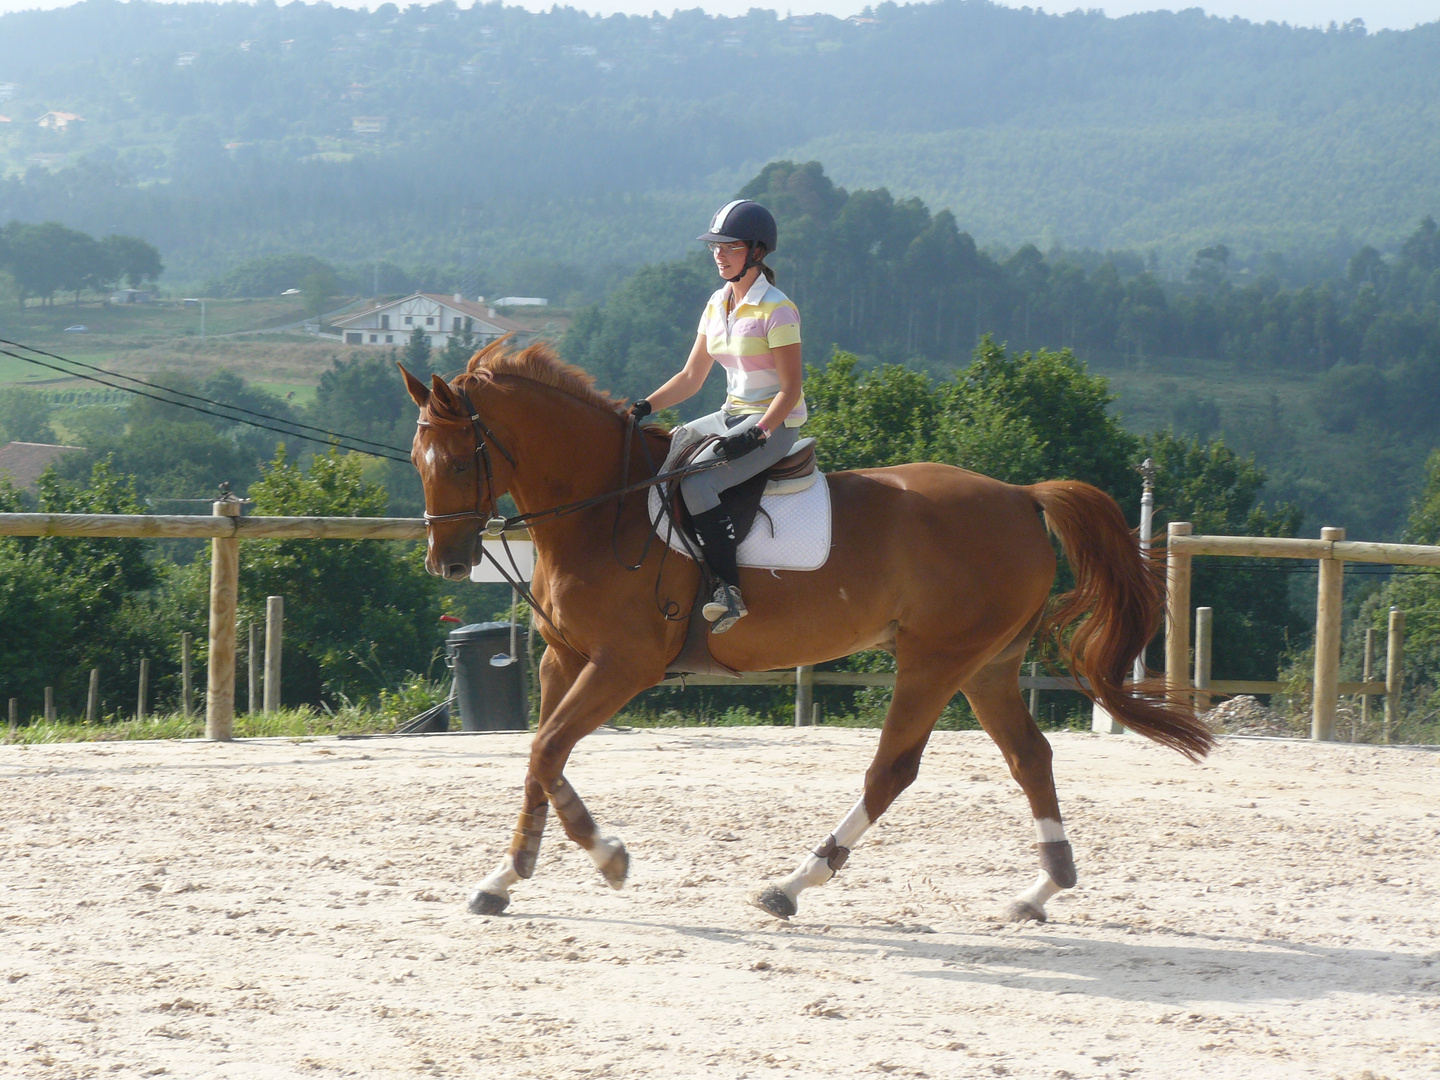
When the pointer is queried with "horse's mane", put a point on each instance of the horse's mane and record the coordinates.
(537, 363)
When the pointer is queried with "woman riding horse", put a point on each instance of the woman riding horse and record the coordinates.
(753, 330)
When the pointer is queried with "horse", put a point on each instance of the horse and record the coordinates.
(948, 570)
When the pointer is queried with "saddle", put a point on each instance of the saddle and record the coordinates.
(788, 476)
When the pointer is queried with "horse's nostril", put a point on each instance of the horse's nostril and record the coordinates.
(457, 571)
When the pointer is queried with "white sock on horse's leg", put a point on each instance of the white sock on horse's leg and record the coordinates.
(1049, 831)
(820, 865)
(502, 877)
(1055, 862)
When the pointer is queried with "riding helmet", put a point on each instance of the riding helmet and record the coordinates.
(745, 220)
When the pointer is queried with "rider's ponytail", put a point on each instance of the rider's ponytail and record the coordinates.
(760, 265)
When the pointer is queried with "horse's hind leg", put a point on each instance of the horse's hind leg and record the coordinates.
(920, 694)
(994, 694)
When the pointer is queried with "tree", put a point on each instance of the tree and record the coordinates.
(459, 347)
(132, 260)
(70, 604)
(358, 614)
(25, 417)
(417, 350)
(317, 287)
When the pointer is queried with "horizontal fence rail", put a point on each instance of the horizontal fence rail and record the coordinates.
(225, 527)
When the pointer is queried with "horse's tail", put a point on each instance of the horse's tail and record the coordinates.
(1123, 592)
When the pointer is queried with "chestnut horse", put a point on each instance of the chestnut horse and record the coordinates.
(947, 570)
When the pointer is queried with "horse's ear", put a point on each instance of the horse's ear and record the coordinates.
(419, 392)
(445, 394)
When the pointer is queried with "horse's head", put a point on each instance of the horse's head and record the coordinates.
(462, 481)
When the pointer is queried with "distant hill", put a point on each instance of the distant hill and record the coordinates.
(510, 143)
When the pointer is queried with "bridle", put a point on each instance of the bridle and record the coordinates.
(483, 434)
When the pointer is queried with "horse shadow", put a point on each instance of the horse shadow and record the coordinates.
(1167, 967)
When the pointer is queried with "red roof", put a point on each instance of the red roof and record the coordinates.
(22, 462)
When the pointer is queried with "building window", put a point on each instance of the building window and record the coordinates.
(430, 320)
(409, 321)
(353, 339)
(374, 338)
(389, 339)
(384, 322)
(456, 327)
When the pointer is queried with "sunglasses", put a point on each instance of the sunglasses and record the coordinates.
(731, 248)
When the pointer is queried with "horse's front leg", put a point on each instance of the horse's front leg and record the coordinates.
(559, 668)
(589, 697)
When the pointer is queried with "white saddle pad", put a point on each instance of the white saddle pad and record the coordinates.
(801, 530)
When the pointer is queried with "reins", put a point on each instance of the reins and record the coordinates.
(497, 525)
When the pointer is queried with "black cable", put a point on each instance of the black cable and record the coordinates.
(192, 397)
(343, 445)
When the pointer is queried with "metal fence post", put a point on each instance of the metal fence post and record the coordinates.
(1367, 673)
(187, 687)
(141, 700)
(1329, 599)
(274, 629)
(1204, 637)
(804, 694)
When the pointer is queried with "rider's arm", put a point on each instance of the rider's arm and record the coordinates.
(788, 367)
(687, 381)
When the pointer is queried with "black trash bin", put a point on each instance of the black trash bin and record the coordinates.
(487, 697)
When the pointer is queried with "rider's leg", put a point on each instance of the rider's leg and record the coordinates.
(713, 527)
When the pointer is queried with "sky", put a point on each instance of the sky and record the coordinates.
(1378, 14)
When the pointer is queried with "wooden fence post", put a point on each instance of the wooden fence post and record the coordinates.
(274, 629)
(1204, 638)
(804, 695)
(1177, 620)
(1394, 672)
(224, 589)
(92, 697)
(187, 686)
(1034, 691)
(1329, 599)
(1367, 673)
(49, 704)
(14, 715)
(140, 699)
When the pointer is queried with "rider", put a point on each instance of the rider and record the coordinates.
(753, 330)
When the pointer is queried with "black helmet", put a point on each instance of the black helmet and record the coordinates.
(742, 220)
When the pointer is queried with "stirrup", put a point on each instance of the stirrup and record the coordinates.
(725, 609)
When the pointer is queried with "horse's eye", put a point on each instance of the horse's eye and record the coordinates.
(460, 466)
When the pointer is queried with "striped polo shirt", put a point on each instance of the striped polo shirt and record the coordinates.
(741, 342)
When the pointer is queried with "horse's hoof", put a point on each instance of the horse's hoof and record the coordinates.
(617, 867)
(773, 900)
(1020, 911)
(488, 903)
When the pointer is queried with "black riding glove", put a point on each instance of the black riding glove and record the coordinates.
(639, 410)
(741, 443)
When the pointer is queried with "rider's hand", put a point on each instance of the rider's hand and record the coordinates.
(639, 410)
(741, 443)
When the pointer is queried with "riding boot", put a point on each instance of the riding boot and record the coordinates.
(716, 533)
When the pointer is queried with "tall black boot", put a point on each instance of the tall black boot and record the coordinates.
(716, 533)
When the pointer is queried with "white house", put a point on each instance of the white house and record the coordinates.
(439, 316)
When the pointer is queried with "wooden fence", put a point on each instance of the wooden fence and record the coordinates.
(226, 528)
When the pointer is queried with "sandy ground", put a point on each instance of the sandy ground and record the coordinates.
(296, 909)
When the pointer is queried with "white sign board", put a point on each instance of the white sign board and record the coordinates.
(523, 552)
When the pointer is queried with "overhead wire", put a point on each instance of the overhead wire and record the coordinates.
(293, 428)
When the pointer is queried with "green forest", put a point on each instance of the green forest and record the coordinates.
(550, 151)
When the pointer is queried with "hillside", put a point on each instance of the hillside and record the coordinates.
(549, 151)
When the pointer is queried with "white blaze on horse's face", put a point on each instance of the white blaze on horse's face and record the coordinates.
(444, 457)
